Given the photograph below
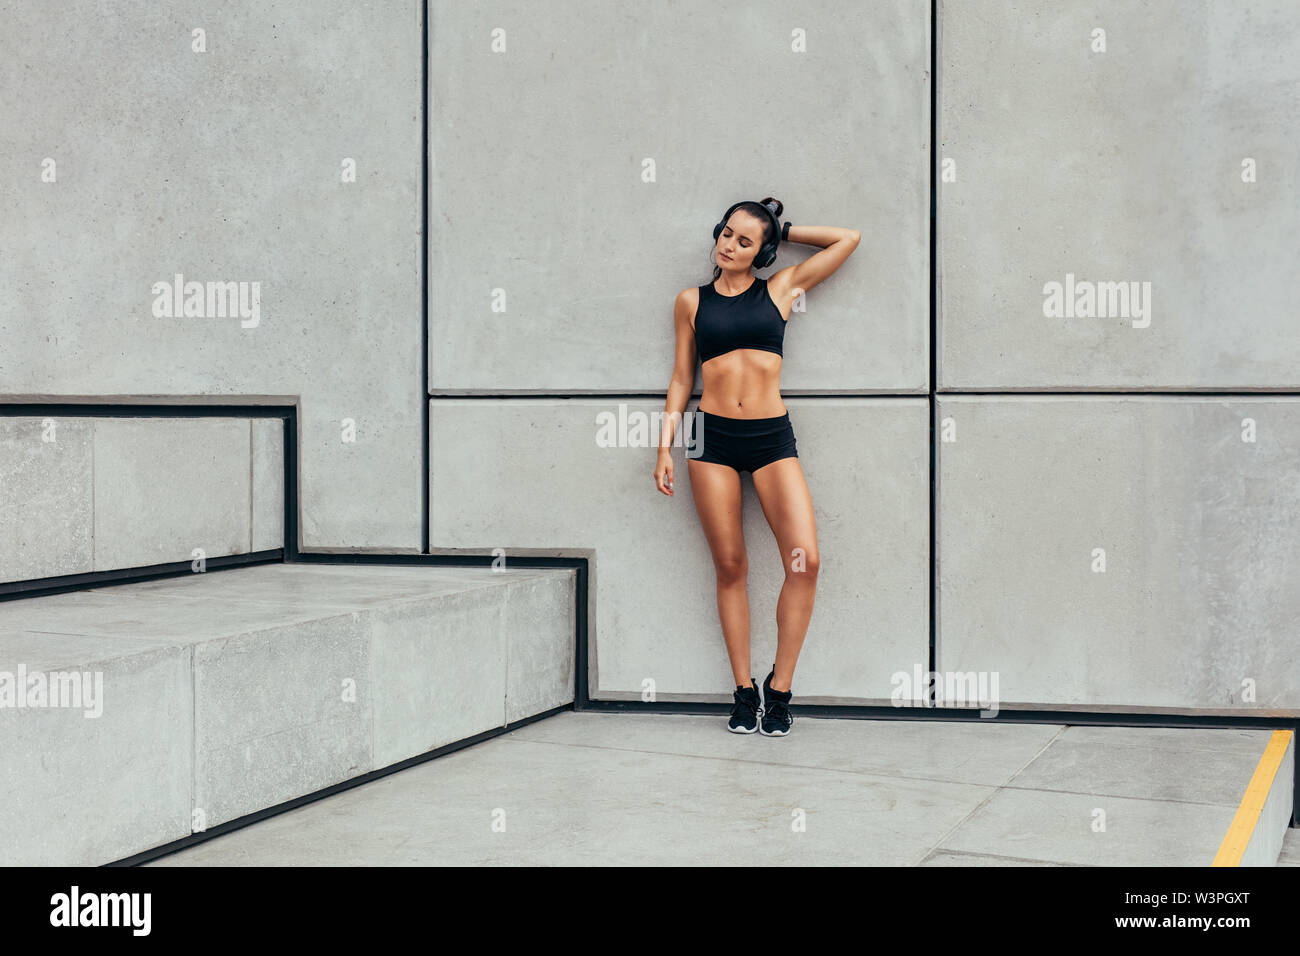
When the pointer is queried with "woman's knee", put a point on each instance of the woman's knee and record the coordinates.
(732, 568)
(803, 563)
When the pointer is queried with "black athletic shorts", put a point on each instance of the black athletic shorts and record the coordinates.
(745, 444)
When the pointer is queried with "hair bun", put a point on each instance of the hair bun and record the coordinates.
(769, 202)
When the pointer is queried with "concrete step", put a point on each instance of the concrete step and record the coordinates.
(182, 703)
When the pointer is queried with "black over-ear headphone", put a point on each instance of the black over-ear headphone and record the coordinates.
(767, 251)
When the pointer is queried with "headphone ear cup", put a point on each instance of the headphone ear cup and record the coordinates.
(717, 230)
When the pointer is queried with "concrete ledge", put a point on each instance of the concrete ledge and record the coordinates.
(224, 693)
(88, 790)
(1257, 832)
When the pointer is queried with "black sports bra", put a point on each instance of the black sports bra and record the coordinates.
(750, 320)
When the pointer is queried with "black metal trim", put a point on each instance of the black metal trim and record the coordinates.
(290, 456)
(424, 282)
(934, 328)
(123, 407)
(89, 580)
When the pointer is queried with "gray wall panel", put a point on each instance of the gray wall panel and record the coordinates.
(1123, 166)
(528, 473)
(1201, 534)
(535, 183)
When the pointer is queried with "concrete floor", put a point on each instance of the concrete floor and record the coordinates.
(608, 788)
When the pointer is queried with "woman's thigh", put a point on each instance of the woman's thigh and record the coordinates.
(716, 489)
(787, 505)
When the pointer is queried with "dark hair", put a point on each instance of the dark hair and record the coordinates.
(759, 210)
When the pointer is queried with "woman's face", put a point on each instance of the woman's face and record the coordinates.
(739, 242)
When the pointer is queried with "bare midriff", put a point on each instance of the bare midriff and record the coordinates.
(742, 383)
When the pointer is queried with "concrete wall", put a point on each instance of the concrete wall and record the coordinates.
(578, 158)
(99, 493)
(226, 165)
(1163, 158)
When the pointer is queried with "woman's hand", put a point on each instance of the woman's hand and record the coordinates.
(664, 472)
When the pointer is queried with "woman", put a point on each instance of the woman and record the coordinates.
(736, 324)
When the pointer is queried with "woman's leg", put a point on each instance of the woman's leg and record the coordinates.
(716, 489)
(787, 505)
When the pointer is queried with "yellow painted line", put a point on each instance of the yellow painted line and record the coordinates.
(1252, 804)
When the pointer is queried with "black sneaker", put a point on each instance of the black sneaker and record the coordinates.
(775, 719)
(747, 710)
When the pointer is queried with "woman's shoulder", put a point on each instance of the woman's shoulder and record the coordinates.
(688, 303)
